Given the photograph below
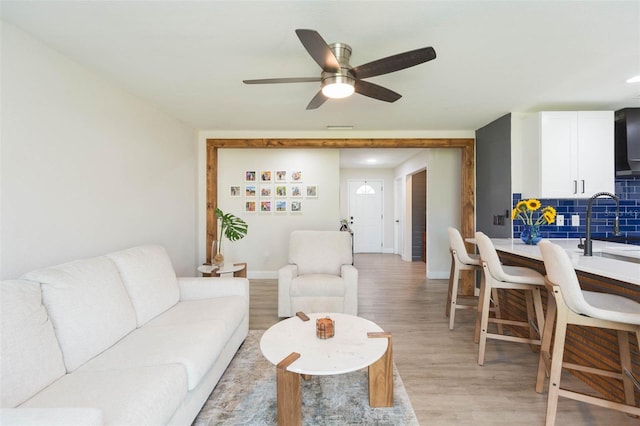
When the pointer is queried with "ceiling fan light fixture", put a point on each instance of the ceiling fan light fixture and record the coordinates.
(338, 86)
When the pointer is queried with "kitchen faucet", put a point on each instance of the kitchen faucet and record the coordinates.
(588, 244)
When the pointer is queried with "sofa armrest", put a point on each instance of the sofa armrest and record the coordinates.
(286, 274)
(51, 416)
(350, 276)
(194, 288)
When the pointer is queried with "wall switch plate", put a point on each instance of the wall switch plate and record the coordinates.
(575, 220)
(560, 220)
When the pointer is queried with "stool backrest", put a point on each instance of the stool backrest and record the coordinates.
(457, 243)
(560, 272)
(489, 255)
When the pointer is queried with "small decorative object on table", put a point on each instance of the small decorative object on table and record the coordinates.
(525, 210)
(325, 328)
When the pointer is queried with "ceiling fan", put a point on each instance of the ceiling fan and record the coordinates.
(339, 79)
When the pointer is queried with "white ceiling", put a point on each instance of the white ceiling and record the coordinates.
(493, 57)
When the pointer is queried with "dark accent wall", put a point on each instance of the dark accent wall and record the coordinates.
(418, 213)
(493, 178)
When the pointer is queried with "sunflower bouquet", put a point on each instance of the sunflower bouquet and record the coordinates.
(525, 210)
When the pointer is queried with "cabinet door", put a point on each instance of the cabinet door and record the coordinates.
(559, 154)
(596, 170)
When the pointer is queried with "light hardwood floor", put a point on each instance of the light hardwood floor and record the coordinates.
(439, 367)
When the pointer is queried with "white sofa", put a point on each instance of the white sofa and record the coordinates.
(116, 339)
(320, 276)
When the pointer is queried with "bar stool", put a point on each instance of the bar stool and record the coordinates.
(461, 260)
(571, 305)
(510, 278)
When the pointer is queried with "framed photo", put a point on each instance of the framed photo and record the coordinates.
(265, 206)
(234, 191)
(296, 176)
(281, 191)
(281, 206)
(249, 206)
(296, 206)
(250, 176)
(265, 176)
(265, 190)
(250, 191)
(295, 191)
(312, 191)
(281, 175)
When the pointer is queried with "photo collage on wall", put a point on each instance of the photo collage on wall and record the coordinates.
(278, 191)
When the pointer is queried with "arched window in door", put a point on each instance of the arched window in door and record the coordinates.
(365, 189)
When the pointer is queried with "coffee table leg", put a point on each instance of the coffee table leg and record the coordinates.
(381, 375)
(289, 393)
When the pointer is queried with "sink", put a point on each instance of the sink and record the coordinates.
(634, 253)
(622, 257)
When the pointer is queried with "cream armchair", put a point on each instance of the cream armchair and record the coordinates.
(320, 276)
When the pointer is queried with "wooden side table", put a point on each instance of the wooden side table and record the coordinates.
(238, 269)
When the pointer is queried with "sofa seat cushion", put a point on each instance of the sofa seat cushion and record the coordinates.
(31, 358)
(140, 396)
(88, 306)
(182, 335)
(148, 275)
(317, 285)
(230, 309)
(51, 416)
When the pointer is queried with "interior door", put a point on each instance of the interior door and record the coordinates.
(365, 215)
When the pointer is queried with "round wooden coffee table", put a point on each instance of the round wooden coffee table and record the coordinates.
(292, 346)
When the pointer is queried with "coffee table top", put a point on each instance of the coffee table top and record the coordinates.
(349, 350)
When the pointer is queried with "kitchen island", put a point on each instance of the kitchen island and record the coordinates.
(614, 268)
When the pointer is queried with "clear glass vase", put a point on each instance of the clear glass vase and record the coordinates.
(531, 234)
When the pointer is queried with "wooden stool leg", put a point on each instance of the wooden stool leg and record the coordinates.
(447, 308)
(484, 320)
(496, 308)
(453, 297)
(545, 347)
(476, 337)
(556, 364)
(289, 393)
(381, 375)
(625, 361)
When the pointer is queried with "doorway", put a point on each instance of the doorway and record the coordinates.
(365, 215)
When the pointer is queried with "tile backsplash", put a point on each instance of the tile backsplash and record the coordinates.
(603, 213)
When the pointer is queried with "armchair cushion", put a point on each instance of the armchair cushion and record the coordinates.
(320, 252)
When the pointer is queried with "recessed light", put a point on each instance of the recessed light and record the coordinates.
(635, 79)
(372, 160)
(341, 127)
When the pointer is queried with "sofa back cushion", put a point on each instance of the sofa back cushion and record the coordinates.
(88, 305)
(31, 357)
(320, 252)
(149, 278)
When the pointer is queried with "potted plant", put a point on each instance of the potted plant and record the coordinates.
(231, 227)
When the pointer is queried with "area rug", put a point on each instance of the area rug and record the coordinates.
(246, 395)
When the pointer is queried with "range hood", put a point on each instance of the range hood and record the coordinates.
(627, 142)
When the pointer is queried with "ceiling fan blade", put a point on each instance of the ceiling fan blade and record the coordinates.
(283, 80)
(376, 92)
(394, 63)
(319, 50)
(317, 100)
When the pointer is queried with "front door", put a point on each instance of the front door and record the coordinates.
(365, 215)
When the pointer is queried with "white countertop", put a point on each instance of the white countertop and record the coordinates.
(611, 268)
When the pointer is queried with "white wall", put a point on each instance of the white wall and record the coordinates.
(87, 168)
(266, 245)
(386, 176)
(444, 193)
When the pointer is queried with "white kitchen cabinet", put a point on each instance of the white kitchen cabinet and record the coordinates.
(568, 154)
